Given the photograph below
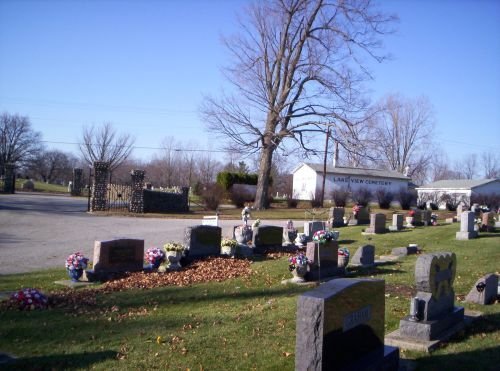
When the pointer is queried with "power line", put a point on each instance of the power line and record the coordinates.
(145, 147)
(43, 102)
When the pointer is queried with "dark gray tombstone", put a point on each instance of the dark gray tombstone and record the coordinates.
(202, 240)
(377, 224)
(340, 326)
(476, 209)
(426, 217)
(363, 217)
(336, 216)
(484, 291)
(397, 223)
(323, 258)
(364, 256)
(114, 257)
(311, 227)
(266, 236)
(404, 251)
(467, 231)
(418, 219)
(433, 310)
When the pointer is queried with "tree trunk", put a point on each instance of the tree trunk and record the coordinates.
(261, 197)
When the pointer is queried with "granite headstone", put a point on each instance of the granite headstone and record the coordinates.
(340, 325)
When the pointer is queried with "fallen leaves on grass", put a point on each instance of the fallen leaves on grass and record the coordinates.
(207, 270)
(198, 271)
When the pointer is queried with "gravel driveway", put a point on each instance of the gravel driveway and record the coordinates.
(39, 231)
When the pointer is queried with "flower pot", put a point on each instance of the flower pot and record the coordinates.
(289, 235)
(174, 257)
(409, 221)
(335, 235)
(75, 274)
(155, 264)
(342, 261)
(301, 239)
(299, 273)
(227, 250)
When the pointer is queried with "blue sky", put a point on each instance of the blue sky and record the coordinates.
(145, 65)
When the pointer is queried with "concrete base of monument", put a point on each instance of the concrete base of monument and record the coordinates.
(299, 283)
(325, 273)
(394, 228)
(73, 284)
(422, 345)
(463, 236)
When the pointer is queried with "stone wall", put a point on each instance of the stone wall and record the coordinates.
(164, 202)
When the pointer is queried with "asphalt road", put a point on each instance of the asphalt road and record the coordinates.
(40, 231)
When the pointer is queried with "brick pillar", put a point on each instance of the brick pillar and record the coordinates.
(137, 198)
(9, 185)
(98, 201)
(76, 189)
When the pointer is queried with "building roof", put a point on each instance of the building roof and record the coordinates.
(354, 171)
(457, 183)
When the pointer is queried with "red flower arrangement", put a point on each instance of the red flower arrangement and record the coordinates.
(29, 299)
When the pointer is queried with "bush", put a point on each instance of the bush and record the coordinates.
(238, 198)
(492, 201)
(316, 203)
(340, 197)
(362, 196)
(434, 206)
(406, 198)
(212, 196)
(453, 199)
(384, 198)
(291, 203)
(226, 179)
(198, 188)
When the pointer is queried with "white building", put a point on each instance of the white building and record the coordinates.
(308, 180)
(460, 189)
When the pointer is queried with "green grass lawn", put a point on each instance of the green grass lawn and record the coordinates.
(43, 187)
(245, 323)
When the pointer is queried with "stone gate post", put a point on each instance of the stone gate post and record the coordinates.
(137, 198)
(98, 201)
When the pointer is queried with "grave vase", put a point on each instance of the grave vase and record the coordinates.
(174, 257)
(75, 274)
(409, 221)
(299, 273)
(228, 250)
(342, 261)
(155, 264)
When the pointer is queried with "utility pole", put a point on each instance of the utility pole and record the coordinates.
(322, 198)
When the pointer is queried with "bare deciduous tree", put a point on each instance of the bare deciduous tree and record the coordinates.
(440, 169)
(404, 129)
(104, 144)
(468, 166)
(18, 141)
(52, 165)
(491, 164)
(297, 65)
